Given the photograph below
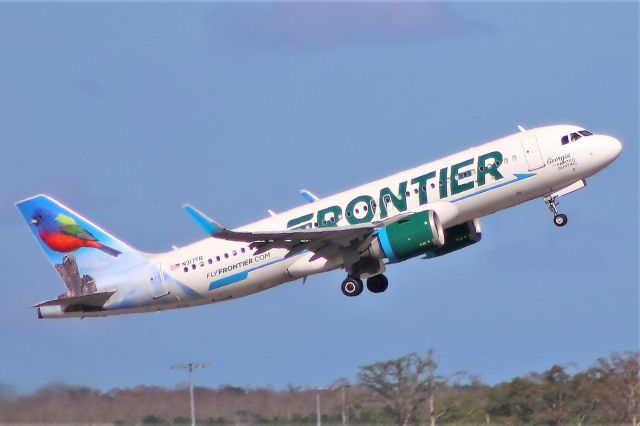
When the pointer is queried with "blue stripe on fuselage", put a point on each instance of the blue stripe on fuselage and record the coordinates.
(243, 275)
(228, 280)
(519, 177)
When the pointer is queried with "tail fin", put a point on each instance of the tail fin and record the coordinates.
(78, 249)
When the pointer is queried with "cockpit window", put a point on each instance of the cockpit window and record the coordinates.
(575, 136)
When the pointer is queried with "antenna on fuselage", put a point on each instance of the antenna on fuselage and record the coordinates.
(522, 129)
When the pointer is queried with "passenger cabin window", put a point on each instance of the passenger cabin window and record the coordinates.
(466, 174)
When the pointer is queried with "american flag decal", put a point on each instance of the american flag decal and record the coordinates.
(174, 266)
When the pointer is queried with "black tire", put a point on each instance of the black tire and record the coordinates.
(352, 286)
(560, 220)
(377, 284)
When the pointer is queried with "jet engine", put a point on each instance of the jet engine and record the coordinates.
(412, 236)
(422, 234)
(457, 237)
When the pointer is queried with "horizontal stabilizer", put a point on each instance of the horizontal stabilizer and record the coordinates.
(209, 225)
(94, 300)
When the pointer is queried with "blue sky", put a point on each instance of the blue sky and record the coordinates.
(126, 111)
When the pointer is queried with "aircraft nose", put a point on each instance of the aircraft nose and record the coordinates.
(614, 147)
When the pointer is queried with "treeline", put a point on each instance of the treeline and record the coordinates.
(405, 391)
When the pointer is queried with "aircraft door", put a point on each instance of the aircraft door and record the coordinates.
(155, 278)
(532, 153)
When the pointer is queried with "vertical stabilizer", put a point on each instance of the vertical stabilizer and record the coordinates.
(83, 254)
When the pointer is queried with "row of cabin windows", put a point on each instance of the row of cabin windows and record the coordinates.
(217, 258)
(469, 173)
(575, 136)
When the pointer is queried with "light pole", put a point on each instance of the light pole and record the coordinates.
(318, 412)
(345, 413)
(190, 366)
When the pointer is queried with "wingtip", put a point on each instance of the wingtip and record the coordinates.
(308, 195)
(205, 222)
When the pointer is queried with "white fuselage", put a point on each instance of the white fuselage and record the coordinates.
(532, 164)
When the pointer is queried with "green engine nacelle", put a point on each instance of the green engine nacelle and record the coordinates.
(457, 237)
(414, 235)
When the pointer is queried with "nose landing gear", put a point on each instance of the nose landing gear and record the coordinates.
(559, 219)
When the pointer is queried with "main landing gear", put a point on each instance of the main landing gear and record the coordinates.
(352, 286)
(559, 219)
(377, 284)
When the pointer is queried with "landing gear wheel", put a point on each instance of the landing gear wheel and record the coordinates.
(377, 284)
(352, 286)
(560, 219)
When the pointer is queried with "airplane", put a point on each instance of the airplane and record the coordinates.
(429, 211)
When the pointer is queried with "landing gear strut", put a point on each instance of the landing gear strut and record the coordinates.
(352, 286)
(559, 219)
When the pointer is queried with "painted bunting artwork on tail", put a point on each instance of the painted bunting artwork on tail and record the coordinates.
(61, 233)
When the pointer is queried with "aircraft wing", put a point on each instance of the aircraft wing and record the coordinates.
(298, 235)
(325, 239)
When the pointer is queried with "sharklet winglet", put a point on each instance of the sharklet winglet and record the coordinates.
(309, 196)
(209, 225)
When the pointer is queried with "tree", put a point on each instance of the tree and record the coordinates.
(620, 379)
(514, 401)
(584, 401)
(552, 394)
(403, 382)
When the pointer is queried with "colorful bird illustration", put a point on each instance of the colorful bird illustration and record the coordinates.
(61, 233)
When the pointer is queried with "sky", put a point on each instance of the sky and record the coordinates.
(126, 111)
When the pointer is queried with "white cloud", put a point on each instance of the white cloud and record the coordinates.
(301, 24)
